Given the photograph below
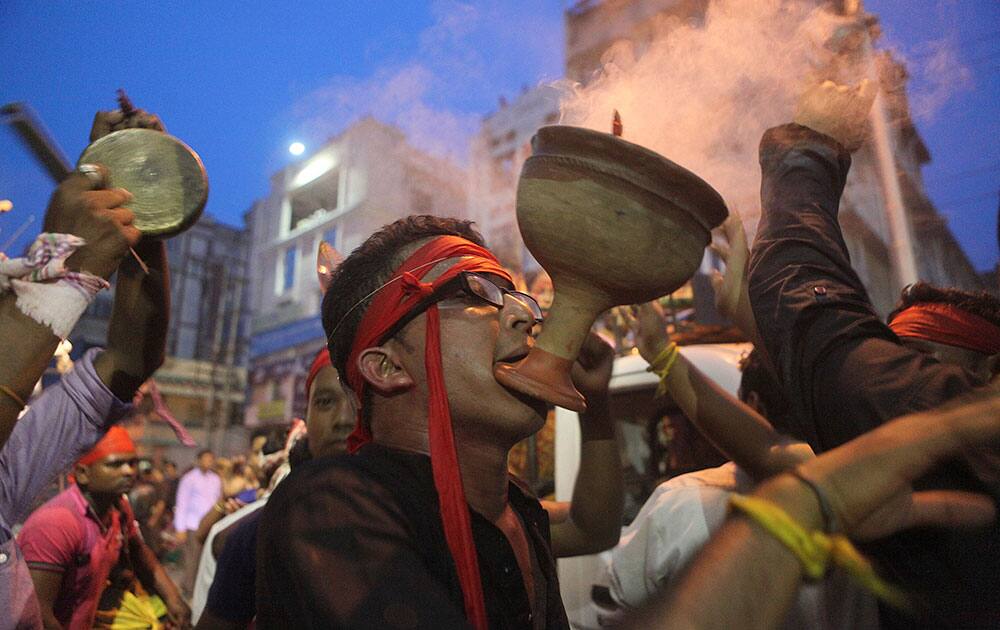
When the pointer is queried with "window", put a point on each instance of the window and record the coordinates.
(315, 198)
(286, 270)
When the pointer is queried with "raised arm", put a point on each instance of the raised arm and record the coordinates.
(592, 521)
(81, 207)
(843, 371)
(733, 427)
(137, 333)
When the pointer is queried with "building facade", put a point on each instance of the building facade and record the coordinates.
(358, 181)
(203, 379)
(497, 153)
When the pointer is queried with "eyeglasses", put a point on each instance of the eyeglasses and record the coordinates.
(476, 286)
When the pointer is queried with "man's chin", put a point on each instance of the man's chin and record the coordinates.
(539, 407)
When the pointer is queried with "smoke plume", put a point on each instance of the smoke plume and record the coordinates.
(703, 94)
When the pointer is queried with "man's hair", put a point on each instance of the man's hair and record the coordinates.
(203, 451)
(758, 378)
(371, 265)
(978, 303)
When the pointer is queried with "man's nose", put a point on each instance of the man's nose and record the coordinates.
(517, 315)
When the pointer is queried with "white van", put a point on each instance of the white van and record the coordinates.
(631, 387)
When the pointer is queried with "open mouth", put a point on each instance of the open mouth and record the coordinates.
(514, 358)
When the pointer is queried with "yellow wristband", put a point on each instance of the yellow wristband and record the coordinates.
(815, 550)
(661, 366)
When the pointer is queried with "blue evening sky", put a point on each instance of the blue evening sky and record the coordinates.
(240, 81)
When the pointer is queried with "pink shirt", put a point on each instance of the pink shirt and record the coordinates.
(65, 536)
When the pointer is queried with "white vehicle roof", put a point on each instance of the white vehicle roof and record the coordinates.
(719, 361)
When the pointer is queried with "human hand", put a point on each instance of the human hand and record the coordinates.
(732, 293)
(83, 207)
(839, 111)
(650, 326)
(592, 369)
(868, 480)
(178, 612)
(116, 120)
(228, 505)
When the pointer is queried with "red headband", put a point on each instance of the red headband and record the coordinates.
(947, 324)
(116, 440)
(321, 361)
(393, 301)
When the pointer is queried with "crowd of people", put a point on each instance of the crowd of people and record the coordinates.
(392, 504)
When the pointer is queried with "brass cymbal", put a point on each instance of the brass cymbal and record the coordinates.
(165, 175)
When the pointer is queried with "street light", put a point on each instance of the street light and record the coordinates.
(296, 148)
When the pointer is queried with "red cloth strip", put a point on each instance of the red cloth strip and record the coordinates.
(321, 361)
(947, 324)
(394, 301)
(115, 441)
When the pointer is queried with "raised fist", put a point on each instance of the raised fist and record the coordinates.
(839, 111)
(83, 207)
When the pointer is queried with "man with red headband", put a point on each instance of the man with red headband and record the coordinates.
(844, 371)
(230, 603)
(423, 526)
(85, 553)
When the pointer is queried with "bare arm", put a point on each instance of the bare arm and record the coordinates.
(733, 427)
(47, 586)
(216, 514)
(151, 572)
(745, 578)
(592, 521)
(81, 208)
(137, 333)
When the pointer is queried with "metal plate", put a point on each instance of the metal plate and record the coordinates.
(165, 175)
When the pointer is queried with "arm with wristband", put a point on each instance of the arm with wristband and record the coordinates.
(732, 426)
(756, 565)
(87, 232)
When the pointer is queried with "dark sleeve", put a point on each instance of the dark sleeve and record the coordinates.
(334, 550)
(842, 369)
(232, 595)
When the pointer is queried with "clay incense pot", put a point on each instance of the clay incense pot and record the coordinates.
(612, 223)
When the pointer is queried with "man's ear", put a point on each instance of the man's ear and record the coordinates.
(382, 368)
(80, 474)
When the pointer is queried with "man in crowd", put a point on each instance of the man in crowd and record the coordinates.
(199, 489)
(423, 525)
(230, 601)
(68, 418)
(843, 370)
(85, 552)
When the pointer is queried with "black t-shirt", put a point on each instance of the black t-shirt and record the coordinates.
(356, 541)
(232, 595)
